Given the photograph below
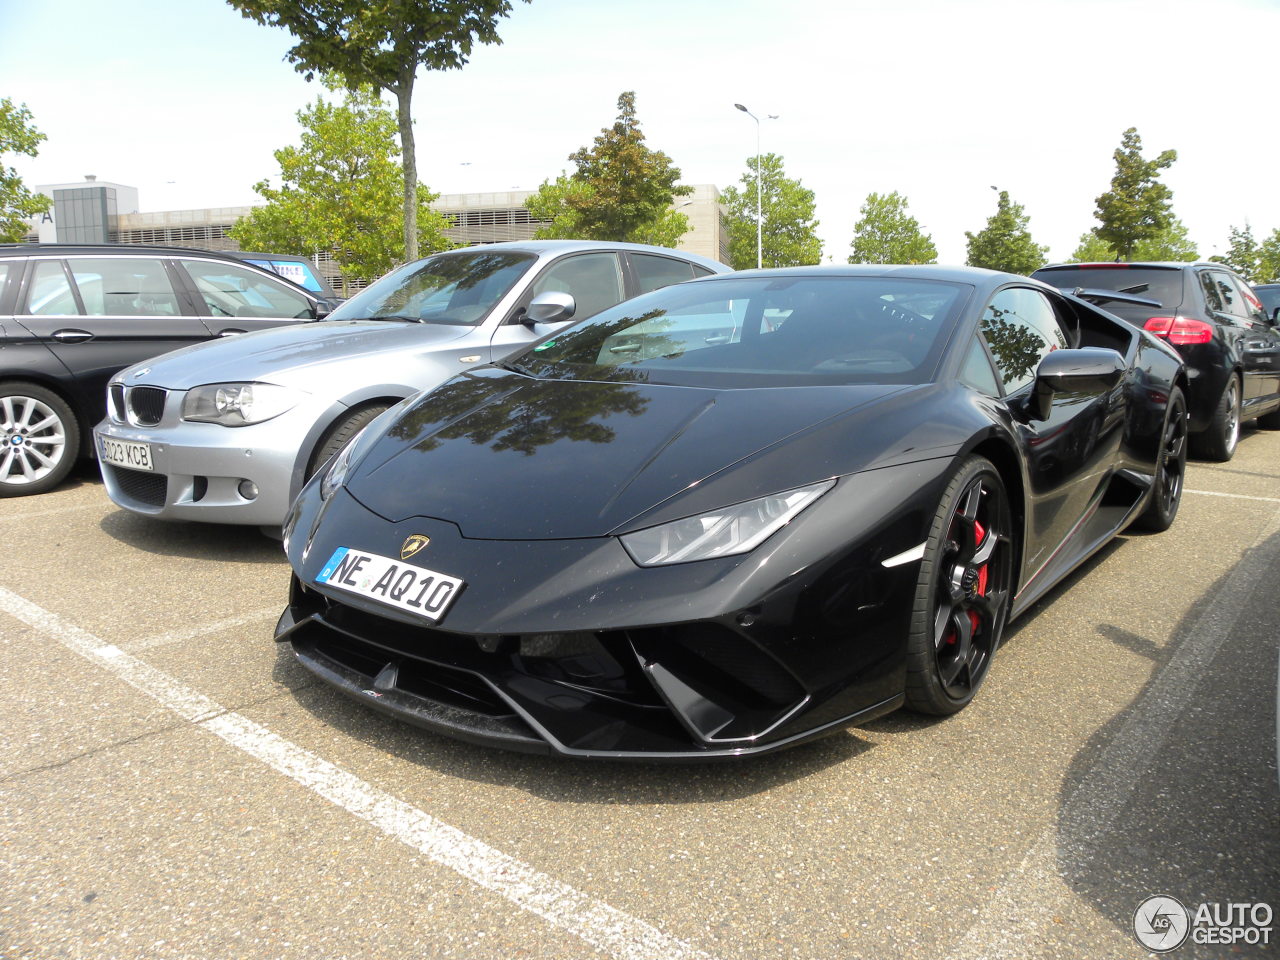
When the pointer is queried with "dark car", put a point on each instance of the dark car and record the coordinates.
(733, 514)
(1215, 321)
(1269, 294)
(71, 316)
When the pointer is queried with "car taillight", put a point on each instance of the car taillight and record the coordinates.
(1180, 330)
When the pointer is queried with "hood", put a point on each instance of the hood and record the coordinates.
(507, 457)
(281, 354)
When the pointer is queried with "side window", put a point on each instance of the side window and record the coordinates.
(232, 291)
(653, 273)
(594, 280)
(1232, 302)
(976, 370)
(1249, 301)
(1212, 298)
(123, 287)
(1021, 329)
(50, 294)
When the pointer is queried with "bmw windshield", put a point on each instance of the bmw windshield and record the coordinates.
(749, 332)
(458, 289)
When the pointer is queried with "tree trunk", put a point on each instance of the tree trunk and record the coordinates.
(404, 97)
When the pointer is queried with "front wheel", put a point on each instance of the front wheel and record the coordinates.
(340, 433)
(41, 439)
(1219, 441)
(1171, 467)
(963, 591)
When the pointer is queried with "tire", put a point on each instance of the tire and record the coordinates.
(1171, 468)
(963, 591)
(340, 433)
(41, 439)
(1218, 442)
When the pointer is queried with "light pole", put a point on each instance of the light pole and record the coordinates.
(759, 203)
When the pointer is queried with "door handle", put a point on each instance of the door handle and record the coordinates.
(72, 336)
(229, 332)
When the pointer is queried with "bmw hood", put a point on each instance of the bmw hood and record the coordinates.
(289, 353)
(507, 457)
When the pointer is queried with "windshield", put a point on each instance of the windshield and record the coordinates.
(782, 331)
(458, 289)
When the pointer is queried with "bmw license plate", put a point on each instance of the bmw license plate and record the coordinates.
(394, 582)
(126, 453)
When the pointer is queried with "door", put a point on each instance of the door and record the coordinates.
(99, 315)
(594, 280)
(1071, 454)
(1261, 348)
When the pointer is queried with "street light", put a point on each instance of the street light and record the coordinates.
(759, 203)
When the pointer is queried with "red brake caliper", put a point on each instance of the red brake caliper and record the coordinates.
(979, 535)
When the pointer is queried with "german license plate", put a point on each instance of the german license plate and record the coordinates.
(393, 582)
(126, 453)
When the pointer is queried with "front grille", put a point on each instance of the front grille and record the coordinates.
(116, 396)
(147, 405)
(148, 488)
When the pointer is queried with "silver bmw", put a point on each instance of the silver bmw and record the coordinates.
(229, 431)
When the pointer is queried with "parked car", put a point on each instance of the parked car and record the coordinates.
(1214, 320)
(228, 432)
(298, 269)
(1269, 294)
(733, 514)
(71, 316)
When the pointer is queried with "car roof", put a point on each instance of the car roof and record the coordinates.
(1127, 264)
(549, 248)
(978, 277)
(140, 249)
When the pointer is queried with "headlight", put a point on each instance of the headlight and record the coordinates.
(340, 466)
(722, 533)
(238, 404)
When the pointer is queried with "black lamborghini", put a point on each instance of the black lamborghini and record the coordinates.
(733, 514)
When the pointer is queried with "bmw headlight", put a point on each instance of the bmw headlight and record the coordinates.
(238, 404)
(721, 533)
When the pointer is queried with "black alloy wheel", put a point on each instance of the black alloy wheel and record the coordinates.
(963, 592)
(1171, 468)
(1218, 442)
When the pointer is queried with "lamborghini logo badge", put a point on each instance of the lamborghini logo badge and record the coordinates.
(412, 544)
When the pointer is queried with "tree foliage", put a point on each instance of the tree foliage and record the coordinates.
(789, 237)
(886, 233)
(341, 191)
(1005, 242)
(382, 45)
(620, 190)
(1244, 254)
(1269, 258)
(1172, 243)
(1093, 249)
(17, 203)
(1138, 205)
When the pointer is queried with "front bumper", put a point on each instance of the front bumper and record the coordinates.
(200, 467)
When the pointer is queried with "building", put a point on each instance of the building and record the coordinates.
(100, 212)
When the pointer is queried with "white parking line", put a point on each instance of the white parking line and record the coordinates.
(600, 925)
(204, 630)
(1233, 496)
(1033, 893)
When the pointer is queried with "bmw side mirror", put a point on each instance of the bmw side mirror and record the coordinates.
(550, 307)
(1086, 370)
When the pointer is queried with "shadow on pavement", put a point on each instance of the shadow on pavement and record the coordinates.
(199, 541)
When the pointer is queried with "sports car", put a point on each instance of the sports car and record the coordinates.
(733, 514)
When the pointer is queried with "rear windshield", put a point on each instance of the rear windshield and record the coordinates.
(1153, 283)
(784, 331)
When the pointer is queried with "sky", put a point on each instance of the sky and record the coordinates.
(938, 99)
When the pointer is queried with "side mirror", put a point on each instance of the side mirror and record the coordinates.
(323, 308)
(550, 307)
(1086, 370)
(1275, 317)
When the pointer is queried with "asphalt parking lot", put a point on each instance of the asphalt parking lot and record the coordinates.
(172, 785)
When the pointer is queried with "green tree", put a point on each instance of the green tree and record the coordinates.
(788, 238)
(382, 45)
(17, 203)
(1172, 243)
(341, 191)
(1137, 207)
(1093, 249)
(621, 190)
(1269, 258)
(1243, 255)
(888, 234)
(1005, 242)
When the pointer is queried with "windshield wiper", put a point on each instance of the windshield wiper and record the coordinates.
(513, 367)
(397, 316)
